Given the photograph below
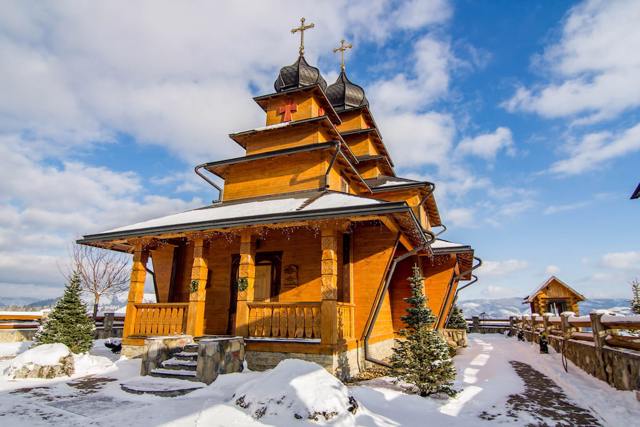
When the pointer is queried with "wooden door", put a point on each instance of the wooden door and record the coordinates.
(262, 287)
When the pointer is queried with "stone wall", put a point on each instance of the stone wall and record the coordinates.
(618, 367)
(456, 338)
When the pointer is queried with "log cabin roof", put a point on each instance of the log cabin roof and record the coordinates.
(377, 138)
(300, 206)
(242, 137)
(530, 298)
(220, 167)
(385, 183)
(464, 254)
(382, 161)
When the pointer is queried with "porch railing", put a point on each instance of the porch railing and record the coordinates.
(160, 319)
(346, 320)
(284, 320)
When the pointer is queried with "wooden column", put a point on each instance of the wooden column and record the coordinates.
(197, 290)
(246, 270)
(136, 288)
(329, 285)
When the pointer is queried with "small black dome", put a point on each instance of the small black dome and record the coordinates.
(299, 74)
(343, 94)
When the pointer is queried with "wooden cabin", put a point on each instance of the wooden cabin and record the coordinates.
(554, 296)
(308, 249)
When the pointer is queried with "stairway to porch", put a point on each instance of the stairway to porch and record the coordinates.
(181, 366)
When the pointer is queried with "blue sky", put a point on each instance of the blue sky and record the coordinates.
(524, 114)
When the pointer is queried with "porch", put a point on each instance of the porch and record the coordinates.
(285, 290)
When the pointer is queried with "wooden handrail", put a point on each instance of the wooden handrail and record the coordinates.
(284, 320)
(160, 319)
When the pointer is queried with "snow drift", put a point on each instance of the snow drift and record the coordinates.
(304, 390)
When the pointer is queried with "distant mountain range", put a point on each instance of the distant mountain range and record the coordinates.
(504, 307)
(116, 303)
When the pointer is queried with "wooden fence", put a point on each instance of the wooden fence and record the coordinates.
(16, 325)
(484, 325)
(605, 346)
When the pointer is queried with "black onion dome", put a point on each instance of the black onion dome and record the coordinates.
(299, 74)
(343, 94)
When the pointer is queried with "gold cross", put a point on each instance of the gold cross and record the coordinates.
(302, 28)
(343, 47)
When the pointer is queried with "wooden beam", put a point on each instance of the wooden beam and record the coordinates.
(246, 271)
(136, 288)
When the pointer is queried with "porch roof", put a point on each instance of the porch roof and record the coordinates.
(307, 205)
(463, 252)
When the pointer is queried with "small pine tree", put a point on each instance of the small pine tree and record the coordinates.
(422, 357)
(456, 319)
(68, 322)
(635, 301)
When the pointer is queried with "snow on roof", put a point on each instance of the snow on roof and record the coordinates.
(529, 298)
(445, 244)
(308, 201)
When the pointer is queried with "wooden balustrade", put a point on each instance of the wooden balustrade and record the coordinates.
(160, 319)
(299, 320)
(346, 320)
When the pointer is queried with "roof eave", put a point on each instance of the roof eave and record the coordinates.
(375, 209)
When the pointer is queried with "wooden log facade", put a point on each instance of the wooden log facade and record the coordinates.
(296, 255)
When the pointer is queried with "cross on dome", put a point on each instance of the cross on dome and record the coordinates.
(302, 28)
(342, 49)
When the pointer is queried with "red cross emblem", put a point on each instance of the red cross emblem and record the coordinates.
(287, 109)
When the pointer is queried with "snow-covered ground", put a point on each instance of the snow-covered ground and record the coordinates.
(485, 377)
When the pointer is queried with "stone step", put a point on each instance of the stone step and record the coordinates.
(160, 386)
(191, 348)
(182, 374)
(187, 365)
(186, 355)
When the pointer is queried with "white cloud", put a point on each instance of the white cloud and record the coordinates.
(596, 75)
(622, 260)
(460, 217)
(426, 79)
(552, 269)
(488, 145)
(414, 14)
(44, 208)
(594, 149)
(554, 209)
(418, 139)
(501, 268)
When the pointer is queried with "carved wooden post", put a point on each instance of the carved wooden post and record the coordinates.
(329, 285)
(247, 275)
(599, 334)
(136, 288)
(197, 290)
(545, 322)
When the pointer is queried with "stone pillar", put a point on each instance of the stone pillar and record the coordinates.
(329, 285)
(475, 324)
(136, 288)
(246, 270)
(197, 290)
(107, 325)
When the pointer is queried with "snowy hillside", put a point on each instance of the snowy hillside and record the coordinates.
(505, 307)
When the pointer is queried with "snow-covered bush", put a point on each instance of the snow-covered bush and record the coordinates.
(43, 361)
(302, 389)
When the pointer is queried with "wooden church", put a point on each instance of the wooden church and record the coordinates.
(307, 252)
